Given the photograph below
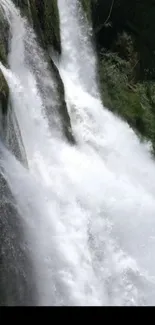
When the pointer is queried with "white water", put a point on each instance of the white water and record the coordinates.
(88, 211)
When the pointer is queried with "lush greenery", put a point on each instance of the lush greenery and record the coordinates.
(134, 101)
(124, 32)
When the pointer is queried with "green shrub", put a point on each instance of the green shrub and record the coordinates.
(133, 101)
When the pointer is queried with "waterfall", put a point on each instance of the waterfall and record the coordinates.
(87, 211)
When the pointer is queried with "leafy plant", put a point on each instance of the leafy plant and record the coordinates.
(133, 101)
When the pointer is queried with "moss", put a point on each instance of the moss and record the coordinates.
(60, 103)
(3, 39)
(4, 94)
(87, 8)
(4, 91)
(44, 16)
(52, 26)
(24, 6)
(3, 56)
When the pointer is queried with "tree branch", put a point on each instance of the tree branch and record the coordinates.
(101, 26)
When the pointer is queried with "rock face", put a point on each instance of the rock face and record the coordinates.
(17, 279)
(123, 27)
(3, 58)
(44, 17)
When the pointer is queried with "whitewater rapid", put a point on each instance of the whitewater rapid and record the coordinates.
(88, 210)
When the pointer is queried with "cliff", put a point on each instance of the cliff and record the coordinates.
(124, 36)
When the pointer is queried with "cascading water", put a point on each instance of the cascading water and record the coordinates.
(88, 210)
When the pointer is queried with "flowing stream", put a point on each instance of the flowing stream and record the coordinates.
(88, 211)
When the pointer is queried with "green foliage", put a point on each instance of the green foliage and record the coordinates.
(135, 17)
(133, 101)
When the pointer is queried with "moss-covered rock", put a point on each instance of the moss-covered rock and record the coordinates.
(17, 279)
(44, 16)
(87, 6)
(4, 91)
(61, 104)
(51, 24)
